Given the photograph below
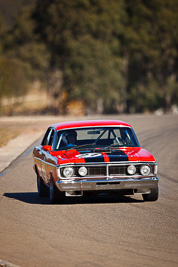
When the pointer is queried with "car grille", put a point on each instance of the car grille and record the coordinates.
(98, 170)
(117, 170)
(106, 170)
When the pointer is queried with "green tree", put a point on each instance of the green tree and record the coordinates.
(92, 74)
(12, 78)
(10, 8)
(112, 55)
(21, 42)
(24, 58)
(152, 49)
(82, 37)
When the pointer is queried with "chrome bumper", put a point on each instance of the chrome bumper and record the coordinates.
(139, 185)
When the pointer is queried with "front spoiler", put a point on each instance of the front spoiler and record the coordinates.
(142, 185)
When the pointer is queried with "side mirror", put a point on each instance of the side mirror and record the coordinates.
(47, 148)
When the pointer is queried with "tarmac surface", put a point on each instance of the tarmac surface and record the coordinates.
(103, 231)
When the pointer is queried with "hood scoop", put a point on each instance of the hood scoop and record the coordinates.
(104, 150)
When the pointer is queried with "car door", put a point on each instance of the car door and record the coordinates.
(39, 154)
(46, 142)
(48, 158)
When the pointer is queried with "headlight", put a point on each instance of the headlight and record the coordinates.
(82, 171)
(68, 172)
(131, 169)
(145, 170)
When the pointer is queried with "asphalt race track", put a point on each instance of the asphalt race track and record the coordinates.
(104, 231)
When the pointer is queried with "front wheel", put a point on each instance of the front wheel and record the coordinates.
(55, 196)
(43, 190)
(153, 196)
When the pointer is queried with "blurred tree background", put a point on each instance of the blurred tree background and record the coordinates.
(103, 56)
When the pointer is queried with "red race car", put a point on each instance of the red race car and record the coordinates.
(84, 157)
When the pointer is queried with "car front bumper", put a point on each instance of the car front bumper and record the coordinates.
(142, 185)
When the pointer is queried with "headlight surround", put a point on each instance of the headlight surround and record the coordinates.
(131, 169)
(82, 171)
(68, 172)
(145, 170)
(156, 169)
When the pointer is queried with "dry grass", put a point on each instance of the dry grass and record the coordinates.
(11, 127)
(6, 135)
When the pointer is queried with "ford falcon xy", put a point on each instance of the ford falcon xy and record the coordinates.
(93, 156)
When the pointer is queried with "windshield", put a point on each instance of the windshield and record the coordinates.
(96, 137)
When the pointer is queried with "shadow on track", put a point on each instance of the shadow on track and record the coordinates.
(33, 198)
(28, 197)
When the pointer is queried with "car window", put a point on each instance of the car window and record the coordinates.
(48, 138)
(102, 136)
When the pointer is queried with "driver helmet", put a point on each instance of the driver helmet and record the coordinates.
(68, 134)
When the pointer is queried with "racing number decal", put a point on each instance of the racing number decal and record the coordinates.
(89, 155)
(98, 157)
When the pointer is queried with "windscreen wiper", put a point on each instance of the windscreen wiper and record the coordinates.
(88, 145)
(81, 146)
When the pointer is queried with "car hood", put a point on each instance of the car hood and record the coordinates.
(101, 155)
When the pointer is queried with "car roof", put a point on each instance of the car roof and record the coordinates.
(88, 123)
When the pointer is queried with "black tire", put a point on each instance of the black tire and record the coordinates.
(153, 196)
(55, 196)
(43, 190)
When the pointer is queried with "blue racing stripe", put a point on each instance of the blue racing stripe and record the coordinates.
(95, 159)
(118, 155)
